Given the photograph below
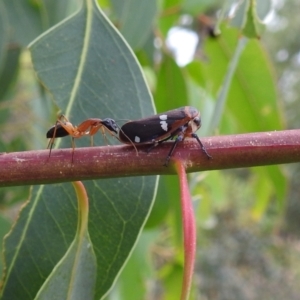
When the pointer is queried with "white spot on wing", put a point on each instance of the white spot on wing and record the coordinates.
(164, 125)
(163, 117)
(137, 139)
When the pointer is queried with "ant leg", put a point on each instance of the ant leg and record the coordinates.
(104, 129)
(51, 142)
(103, 134)
(73, 149)
(95, 125)
(50, 145)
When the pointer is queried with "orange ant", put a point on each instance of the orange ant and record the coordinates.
(88, 127)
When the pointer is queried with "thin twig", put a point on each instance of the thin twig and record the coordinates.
(233, 151)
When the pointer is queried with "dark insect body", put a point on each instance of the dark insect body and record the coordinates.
(181, 123)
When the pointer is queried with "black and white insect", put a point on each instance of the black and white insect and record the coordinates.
(181, 122)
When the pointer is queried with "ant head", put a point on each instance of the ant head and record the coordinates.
(110, 124)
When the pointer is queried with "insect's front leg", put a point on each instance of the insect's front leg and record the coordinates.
(195, 136)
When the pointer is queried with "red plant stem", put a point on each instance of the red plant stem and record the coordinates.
(232, 151)
(189, 231)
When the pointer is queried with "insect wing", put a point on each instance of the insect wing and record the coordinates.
(60, 132)
(154, 128)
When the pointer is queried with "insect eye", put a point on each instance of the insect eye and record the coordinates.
(115, 128)
(197, 121)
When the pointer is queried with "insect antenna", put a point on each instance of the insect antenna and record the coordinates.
(131, 142)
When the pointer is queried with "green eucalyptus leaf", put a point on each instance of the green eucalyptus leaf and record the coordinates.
(253, 96)
(41, 236)
(90, 72)
(133, 273)
(195, 7)
(28, 19)
(253, 26)
(254, 102)
(170, 14)
(74, 277)
(4, 33)
(24, 21)
(8, 72)
(89, 63)
(246, 17)
(171, 90)
(4, 228)
(54, 11)
(135, 20)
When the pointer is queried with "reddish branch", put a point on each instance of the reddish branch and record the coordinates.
(233, 151)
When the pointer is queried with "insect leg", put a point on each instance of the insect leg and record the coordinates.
(178, 139)
(158, 143)
(51, 142)
(194, 135)
(104, 134)
(73, 148)
(171, 137)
